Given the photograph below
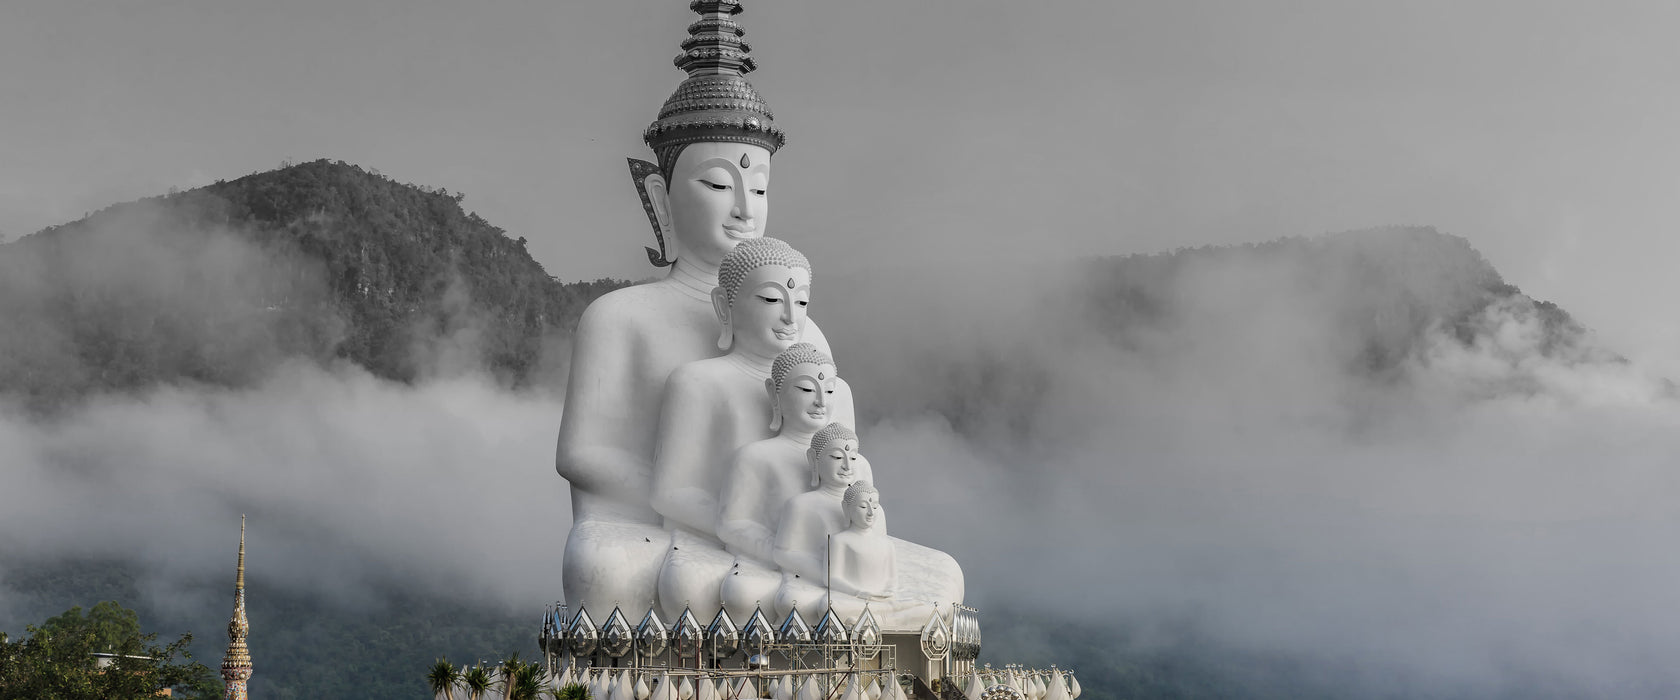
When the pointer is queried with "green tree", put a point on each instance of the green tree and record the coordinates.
(56, 660)
(443, 678)
(508, 671)
(109, 623)
(478, 682)
(574, 691)
(527, 681)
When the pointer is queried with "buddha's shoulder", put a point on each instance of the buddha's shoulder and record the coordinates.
(809, 499)
(758, 455)
(710, 372)
(635, 308)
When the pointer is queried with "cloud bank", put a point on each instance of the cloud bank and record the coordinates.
(1487, 513)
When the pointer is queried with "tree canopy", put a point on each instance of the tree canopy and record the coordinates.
(101, 655)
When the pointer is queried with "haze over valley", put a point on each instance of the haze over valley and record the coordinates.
(1358, 464)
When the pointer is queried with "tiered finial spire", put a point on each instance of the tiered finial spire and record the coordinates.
(714, 103)
(715, 43)
(236, 664)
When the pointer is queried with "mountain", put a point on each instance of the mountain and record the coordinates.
(1385, 287)
(1007, 355)
(322, 260)
(330, 263)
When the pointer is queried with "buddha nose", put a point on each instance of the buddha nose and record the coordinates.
(822, 398)
(787, 311)
(741, 209)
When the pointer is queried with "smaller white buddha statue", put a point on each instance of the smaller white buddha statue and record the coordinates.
(802, 386)
(860, 559)
(923, 578)
(809, 518)
(713, 407)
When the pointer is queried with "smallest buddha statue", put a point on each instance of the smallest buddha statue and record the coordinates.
(861, 565)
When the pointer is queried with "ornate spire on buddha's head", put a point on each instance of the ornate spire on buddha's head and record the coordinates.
(715, 103)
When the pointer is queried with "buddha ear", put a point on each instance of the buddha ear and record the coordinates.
(720, 306)
(659, 195)
(775, 406)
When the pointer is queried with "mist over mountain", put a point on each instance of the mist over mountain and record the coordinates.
(321, 261)
(1352, 465)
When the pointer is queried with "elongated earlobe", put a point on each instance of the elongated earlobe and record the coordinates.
(640, 172)
(775, 406)
(720, 306)
(659, 198)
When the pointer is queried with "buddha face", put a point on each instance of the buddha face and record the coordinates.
(768, 314)
(839, 466)
(715, 199)
(804, 398)
(863, 511)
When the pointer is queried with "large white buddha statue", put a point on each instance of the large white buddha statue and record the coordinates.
(715, 406)
(803, 384)
(713, 141)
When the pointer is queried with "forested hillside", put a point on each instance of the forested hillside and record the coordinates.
(324, 261)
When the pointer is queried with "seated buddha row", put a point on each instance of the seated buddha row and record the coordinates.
(739, 436)
(733, 448)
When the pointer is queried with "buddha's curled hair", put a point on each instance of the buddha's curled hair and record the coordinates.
(752, 254)
(855, 493)
(830, 434)
(798, 354)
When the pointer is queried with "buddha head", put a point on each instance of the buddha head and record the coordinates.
(861, 504)
(764, 288)
(834, 457)
(802, 381)
(713, 140)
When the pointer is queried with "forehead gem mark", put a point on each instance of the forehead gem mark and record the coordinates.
(744, 162)
(820, 375)
(791, 283)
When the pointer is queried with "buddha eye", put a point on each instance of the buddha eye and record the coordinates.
(758, 192)
(715, 186)
(769, 300)
(803, 303)
(807, 389)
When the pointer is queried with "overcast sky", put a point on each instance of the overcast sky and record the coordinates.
(1541, 131)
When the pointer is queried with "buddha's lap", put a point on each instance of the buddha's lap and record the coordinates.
(750, 584)
(608, 563)
(691, 575)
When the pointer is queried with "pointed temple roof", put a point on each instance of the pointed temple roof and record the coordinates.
(236, 664)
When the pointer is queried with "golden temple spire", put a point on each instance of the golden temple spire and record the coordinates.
(236, 664)
(239, 578)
